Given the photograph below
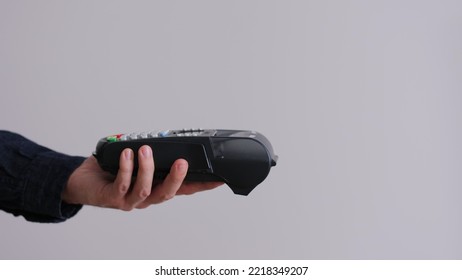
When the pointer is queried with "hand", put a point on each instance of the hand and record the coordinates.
(91, 185)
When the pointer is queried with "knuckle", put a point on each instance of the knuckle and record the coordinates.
(125, 168)
(146, 165)
(143, 194)
(123, 187)
(166, 196)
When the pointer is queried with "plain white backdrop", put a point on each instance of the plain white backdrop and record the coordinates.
(360, 99)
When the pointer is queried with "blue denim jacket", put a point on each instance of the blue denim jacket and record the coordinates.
(32, 179)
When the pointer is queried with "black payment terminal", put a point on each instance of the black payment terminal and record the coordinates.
(242, 159)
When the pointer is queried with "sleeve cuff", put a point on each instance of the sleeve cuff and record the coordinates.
(42, 194)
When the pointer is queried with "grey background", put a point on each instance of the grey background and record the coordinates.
(361, 100)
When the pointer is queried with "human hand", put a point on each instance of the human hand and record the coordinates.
(90, 185)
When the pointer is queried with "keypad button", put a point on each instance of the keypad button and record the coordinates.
(133, 136)
(164, 133)
(153, 134)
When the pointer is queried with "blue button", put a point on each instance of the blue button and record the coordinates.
(164, 133)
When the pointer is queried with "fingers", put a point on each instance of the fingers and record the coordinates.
(123, 196)
(169, 187)
(124, 175)
(127, 195)
(143, 183)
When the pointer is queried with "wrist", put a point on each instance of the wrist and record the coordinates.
(69, 195)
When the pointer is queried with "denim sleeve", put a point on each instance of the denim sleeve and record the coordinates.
(32, 178)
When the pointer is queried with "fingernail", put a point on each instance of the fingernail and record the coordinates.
(182, 167)
(128, 154)
(146, 152)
